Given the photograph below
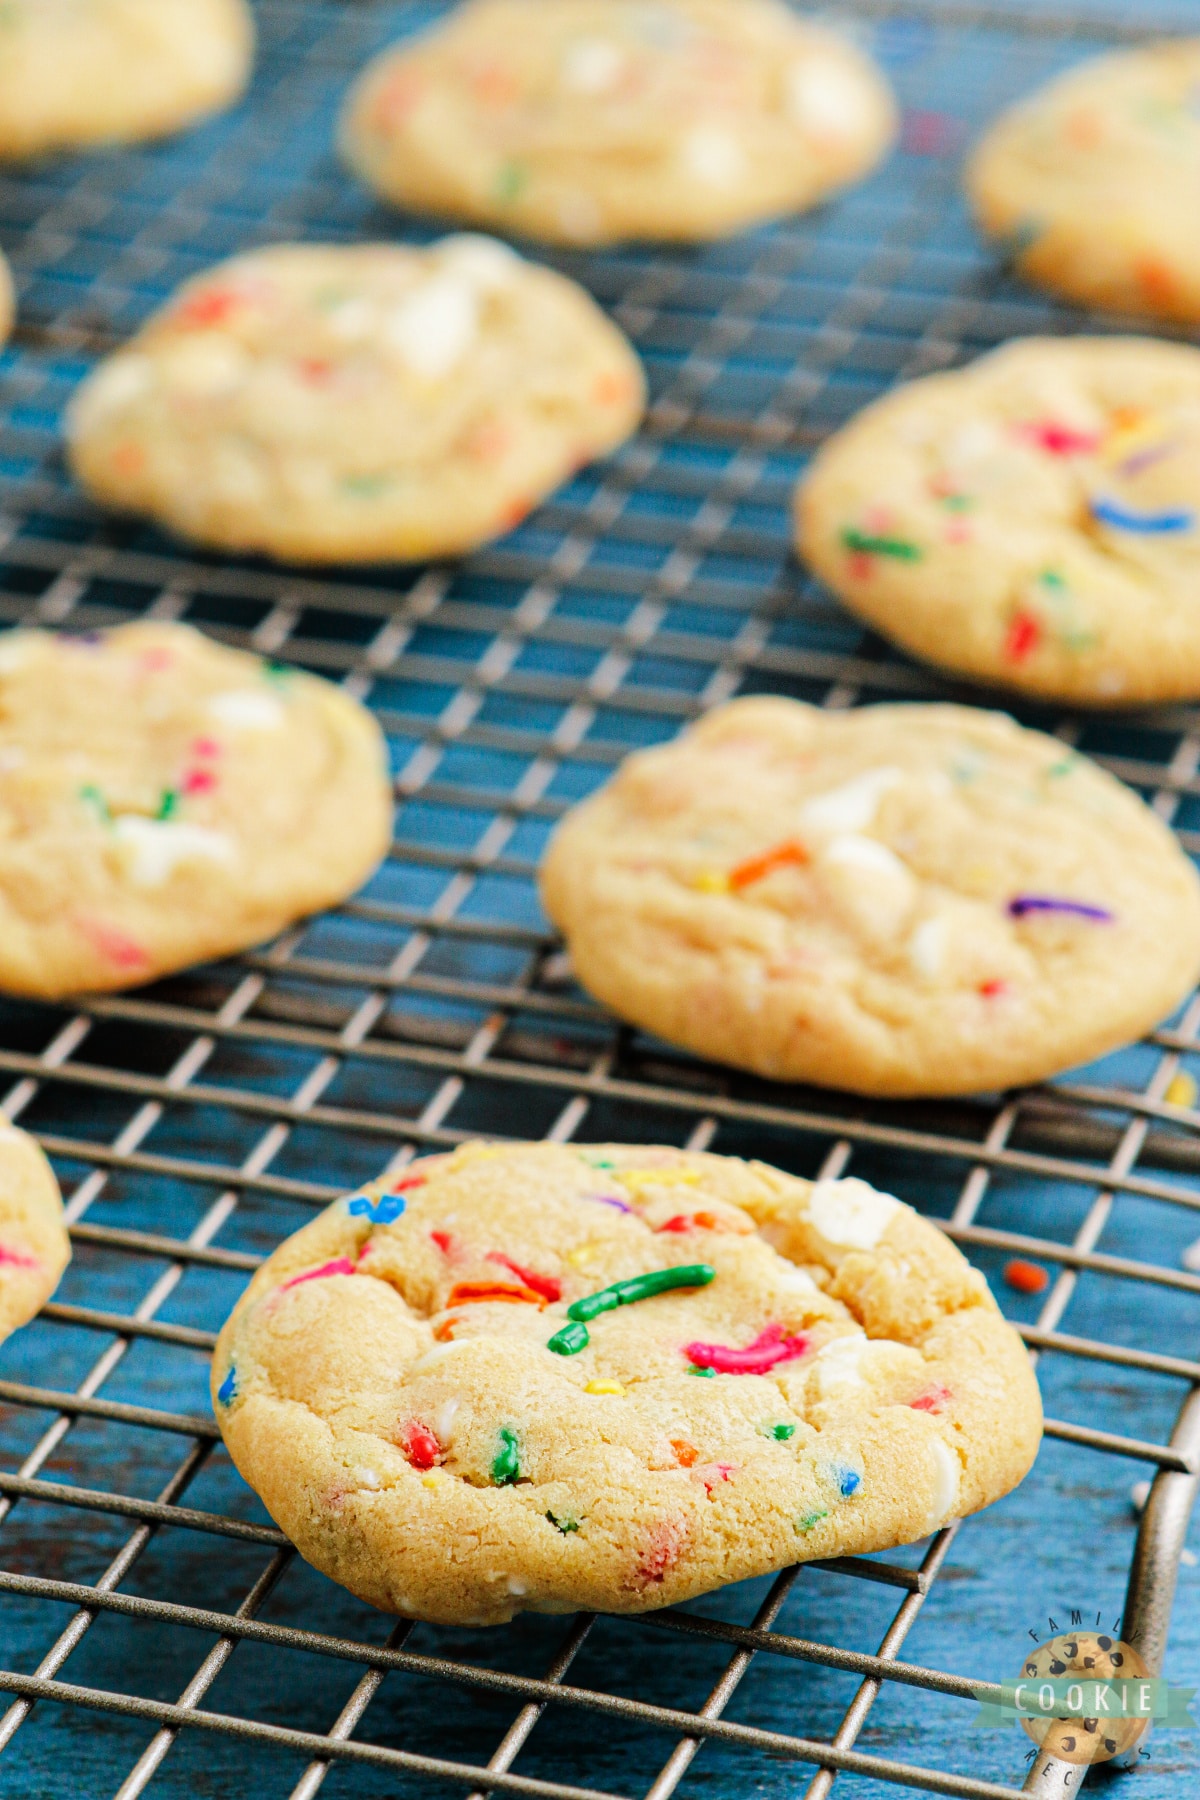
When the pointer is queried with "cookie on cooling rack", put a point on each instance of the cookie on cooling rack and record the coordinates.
(897, 900)
(1032, 520)
(588, 121)
(379, 402)
(535, 1376)
(80, 72)
(1094, 182)
(34, 1247)
(164, 799)
(8, 300)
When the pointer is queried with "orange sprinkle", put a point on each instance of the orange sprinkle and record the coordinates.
(444, 1332)
(610, 388)
(685, 1452)
(513, 1293)
(1157, 279)
(129, 459)
(792, 853)
(991, 990)
(1026, 1277)
(1085, 129)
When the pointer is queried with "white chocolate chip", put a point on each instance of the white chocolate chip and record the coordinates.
(152, 849)
(796, 1281)
(110, 389)
(591, 65)
(436, 1354)
(485, 261)
(352, 320)
(443, 1421)
(945, 1492)
(247, 709)
(837, 1366)
(366, 1478)
(849, 808)
(202, 367)
(867, 885)
(432, 330)
(851, 1213)
(713, 156)
(927, 948)
(825, 99)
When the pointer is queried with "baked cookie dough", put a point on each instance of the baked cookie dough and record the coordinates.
(538, 1376)
(1094, 182)
(897, 900)
(81, 72)
(1032, 520)
(323, 404)
(164, 800)
(34, 1246)
(8, 300)
(588, 121)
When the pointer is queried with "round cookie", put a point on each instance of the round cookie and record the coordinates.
(545, 1377)
(589, 121)
(1031, 520)
(897, 900)
(1094, 182)
(82, 72)
(8, 300)
(164, 800)
(324, 404)
(34, 1246)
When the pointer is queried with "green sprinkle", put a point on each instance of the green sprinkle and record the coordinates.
(93, 797)
(781, 1433)
(168, 806)
(365, 487)
(866, 544)
(598, 1162)
(641, 1287)
(708, 1374)
(1052, 579)
(274, 670)
(506, 1466)
(511, 181)
(564, 1524)
(957, 503)
(1064, 767)
(570, 1340)
(811, 1520)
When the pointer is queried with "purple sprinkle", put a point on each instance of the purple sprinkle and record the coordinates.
(1024, 904)
(607, 1200)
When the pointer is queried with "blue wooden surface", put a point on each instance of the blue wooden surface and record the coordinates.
(1062, 1541)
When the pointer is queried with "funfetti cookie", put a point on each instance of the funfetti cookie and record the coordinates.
(537, 1376)
(82, 72)
(164, 800)
(8, 301)
(1093, 183)
(34, 1246)
(895, 900)
(1032, 520)
(586, 121)
(360, 404)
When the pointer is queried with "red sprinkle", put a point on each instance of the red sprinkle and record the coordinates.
(1023, 637)
(210, 307)
(470, 1293)
(341, 1265)
(991, 990)
(769, 1347)
(419, 1445)
(713, 1474)
(1060, 440)
(1026, 1277)
(546, 1285)
(442, 1239)
(932, 1400)
(791, 854)
(412, 1181)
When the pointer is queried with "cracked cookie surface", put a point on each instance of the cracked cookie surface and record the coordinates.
(895, 899)
(825, 1375)
(364, 404)
(164, 799)
(589, 121)
(1032, 520)
(82, 72)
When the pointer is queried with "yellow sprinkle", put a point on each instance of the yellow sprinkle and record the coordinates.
(639, 1178)
(711, 881)
(1182, 1090)
(434, 1478)
(580, 1258)
(604, 1387)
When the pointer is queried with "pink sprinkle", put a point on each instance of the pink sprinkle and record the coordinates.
(713, 1474)
(199, 781)
(341, 1265)
(113, 943)
(959, 532)
(155, 661)
(932, 1400)
(205, 747)
(17, 1259)
(769, 1347)
(1059, 440)
(668, 1539)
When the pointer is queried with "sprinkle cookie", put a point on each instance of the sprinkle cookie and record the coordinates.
(8, 301)
(589, 121)
(535, 1376)
(34, 1247)
(82, 72)
(1094, 182)
(357, 405)
(896, 900)
(165, 800)
(1032, 520)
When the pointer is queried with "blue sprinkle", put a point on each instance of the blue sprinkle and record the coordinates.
(1155, 524)
(228, 1387)
(849, 1481)
(384, 1212)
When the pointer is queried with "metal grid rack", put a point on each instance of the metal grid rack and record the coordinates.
(145, 1604)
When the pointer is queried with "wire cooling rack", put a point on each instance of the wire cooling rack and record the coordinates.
(156, 1633)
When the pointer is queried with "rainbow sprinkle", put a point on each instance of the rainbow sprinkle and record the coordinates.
(1146, 524)
(506, 1465)
(810, 1521)
(864, 543)
(769, 1347)
(574, 1337)
(228, 1388)
(380, 1212)
(848, 1482)
(1023, 904)
(565, 1524)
